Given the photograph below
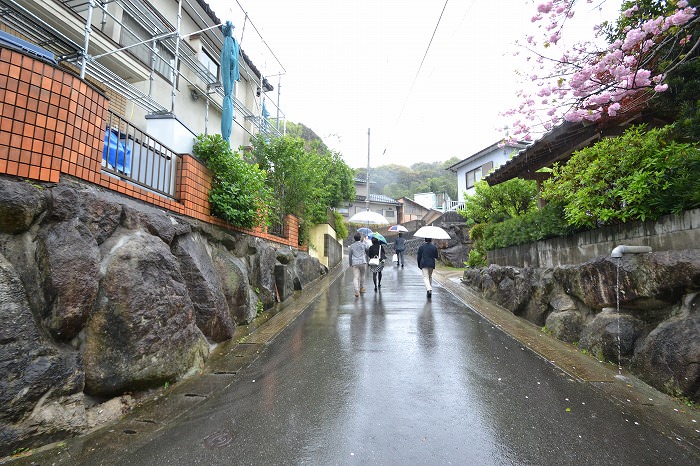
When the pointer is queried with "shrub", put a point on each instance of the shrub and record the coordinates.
(500, 202)
(341, 228)
(238, 194)
(547, 222)
(640, 175)
(476, 258)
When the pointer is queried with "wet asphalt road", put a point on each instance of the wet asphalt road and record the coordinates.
(392, 378)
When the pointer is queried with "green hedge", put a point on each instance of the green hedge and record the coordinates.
(536, 225)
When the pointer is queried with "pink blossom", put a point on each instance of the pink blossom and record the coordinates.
(585, 82)
(630, 12)
(680, 17)
(573, 117)
(544, 7)
(653, 26)
(603, 98)
(633, 38)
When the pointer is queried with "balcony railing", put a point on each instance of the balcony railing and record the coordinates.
(133, 155)
(454, 205)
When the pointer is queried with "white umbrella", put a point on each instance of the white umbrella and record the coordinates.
(432, 232)
(369, 217)
(398, 228)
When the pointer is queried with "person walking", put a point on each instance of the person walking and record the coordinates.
(427, 253)
(399, 247)
(376, 251)
(358, 262)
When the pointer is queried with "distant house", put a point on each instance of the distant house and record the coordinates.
(412, 211)
(384, 205)
(475, 167)
(435, 201)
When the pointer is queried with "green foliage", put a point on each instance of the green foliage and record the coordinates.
(305, 178)
(341, 228)
(681, 102)
(640, 175)
(238, 193)
(476, 232)
(477, 258)
(397, 181)
(535, 225)
(502, 201)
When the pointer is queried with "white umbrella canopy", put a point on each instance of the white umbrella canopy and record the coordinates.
(369, 217)
(432, 232)
(398, 228)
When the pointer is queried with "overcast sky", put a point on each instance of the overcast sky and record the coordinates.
(350, 65)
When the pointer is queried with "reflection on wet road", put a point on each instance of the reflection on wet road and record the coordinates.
(393, 378)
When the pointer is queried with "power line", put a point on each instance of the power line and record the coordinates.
(420, 67)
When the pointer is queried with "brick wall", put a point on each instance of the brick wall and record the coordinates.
(52, 123)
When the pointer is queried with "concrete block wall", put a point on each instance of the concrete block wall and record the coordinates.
(670, 232)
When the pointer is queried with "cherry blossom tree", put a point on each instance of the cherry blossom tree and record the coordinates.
(593, 81)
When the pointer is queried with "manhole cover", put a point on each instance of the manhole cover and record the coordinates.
(219, 439)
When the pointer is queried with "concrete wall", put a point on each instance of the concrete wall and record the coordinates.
(671, 232)
(333, 250)
(320, 247)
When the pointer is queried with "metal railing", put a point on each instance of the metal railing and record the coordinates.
(454, 205)
(134, 156)
(35, 29)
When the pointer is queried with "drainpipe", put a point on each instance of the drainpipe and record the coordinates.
(619, 251)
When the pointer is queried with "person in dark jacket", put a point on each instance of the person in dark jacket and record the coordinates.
(376, 250)
(399, 247)
(426, 256)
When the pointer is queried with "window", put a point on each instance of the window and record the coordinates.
(389, 213)
(473, 176)
(134, 33)
(342, 210)
(209, 64)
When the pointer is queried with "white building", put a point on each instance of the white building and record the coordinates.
(475, 167)
(158, 62)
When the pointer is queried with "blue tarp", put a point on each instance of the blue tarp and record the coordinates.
(229, 74)
(117, 155)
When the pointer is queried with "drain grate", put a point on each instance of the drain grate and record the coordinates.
(219, 439)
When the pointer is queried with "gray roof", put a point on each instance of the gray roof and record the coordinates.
(519, 145)
(382, 198)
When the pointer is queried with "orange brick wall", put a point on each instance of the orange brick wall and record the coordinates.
(52, 123)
